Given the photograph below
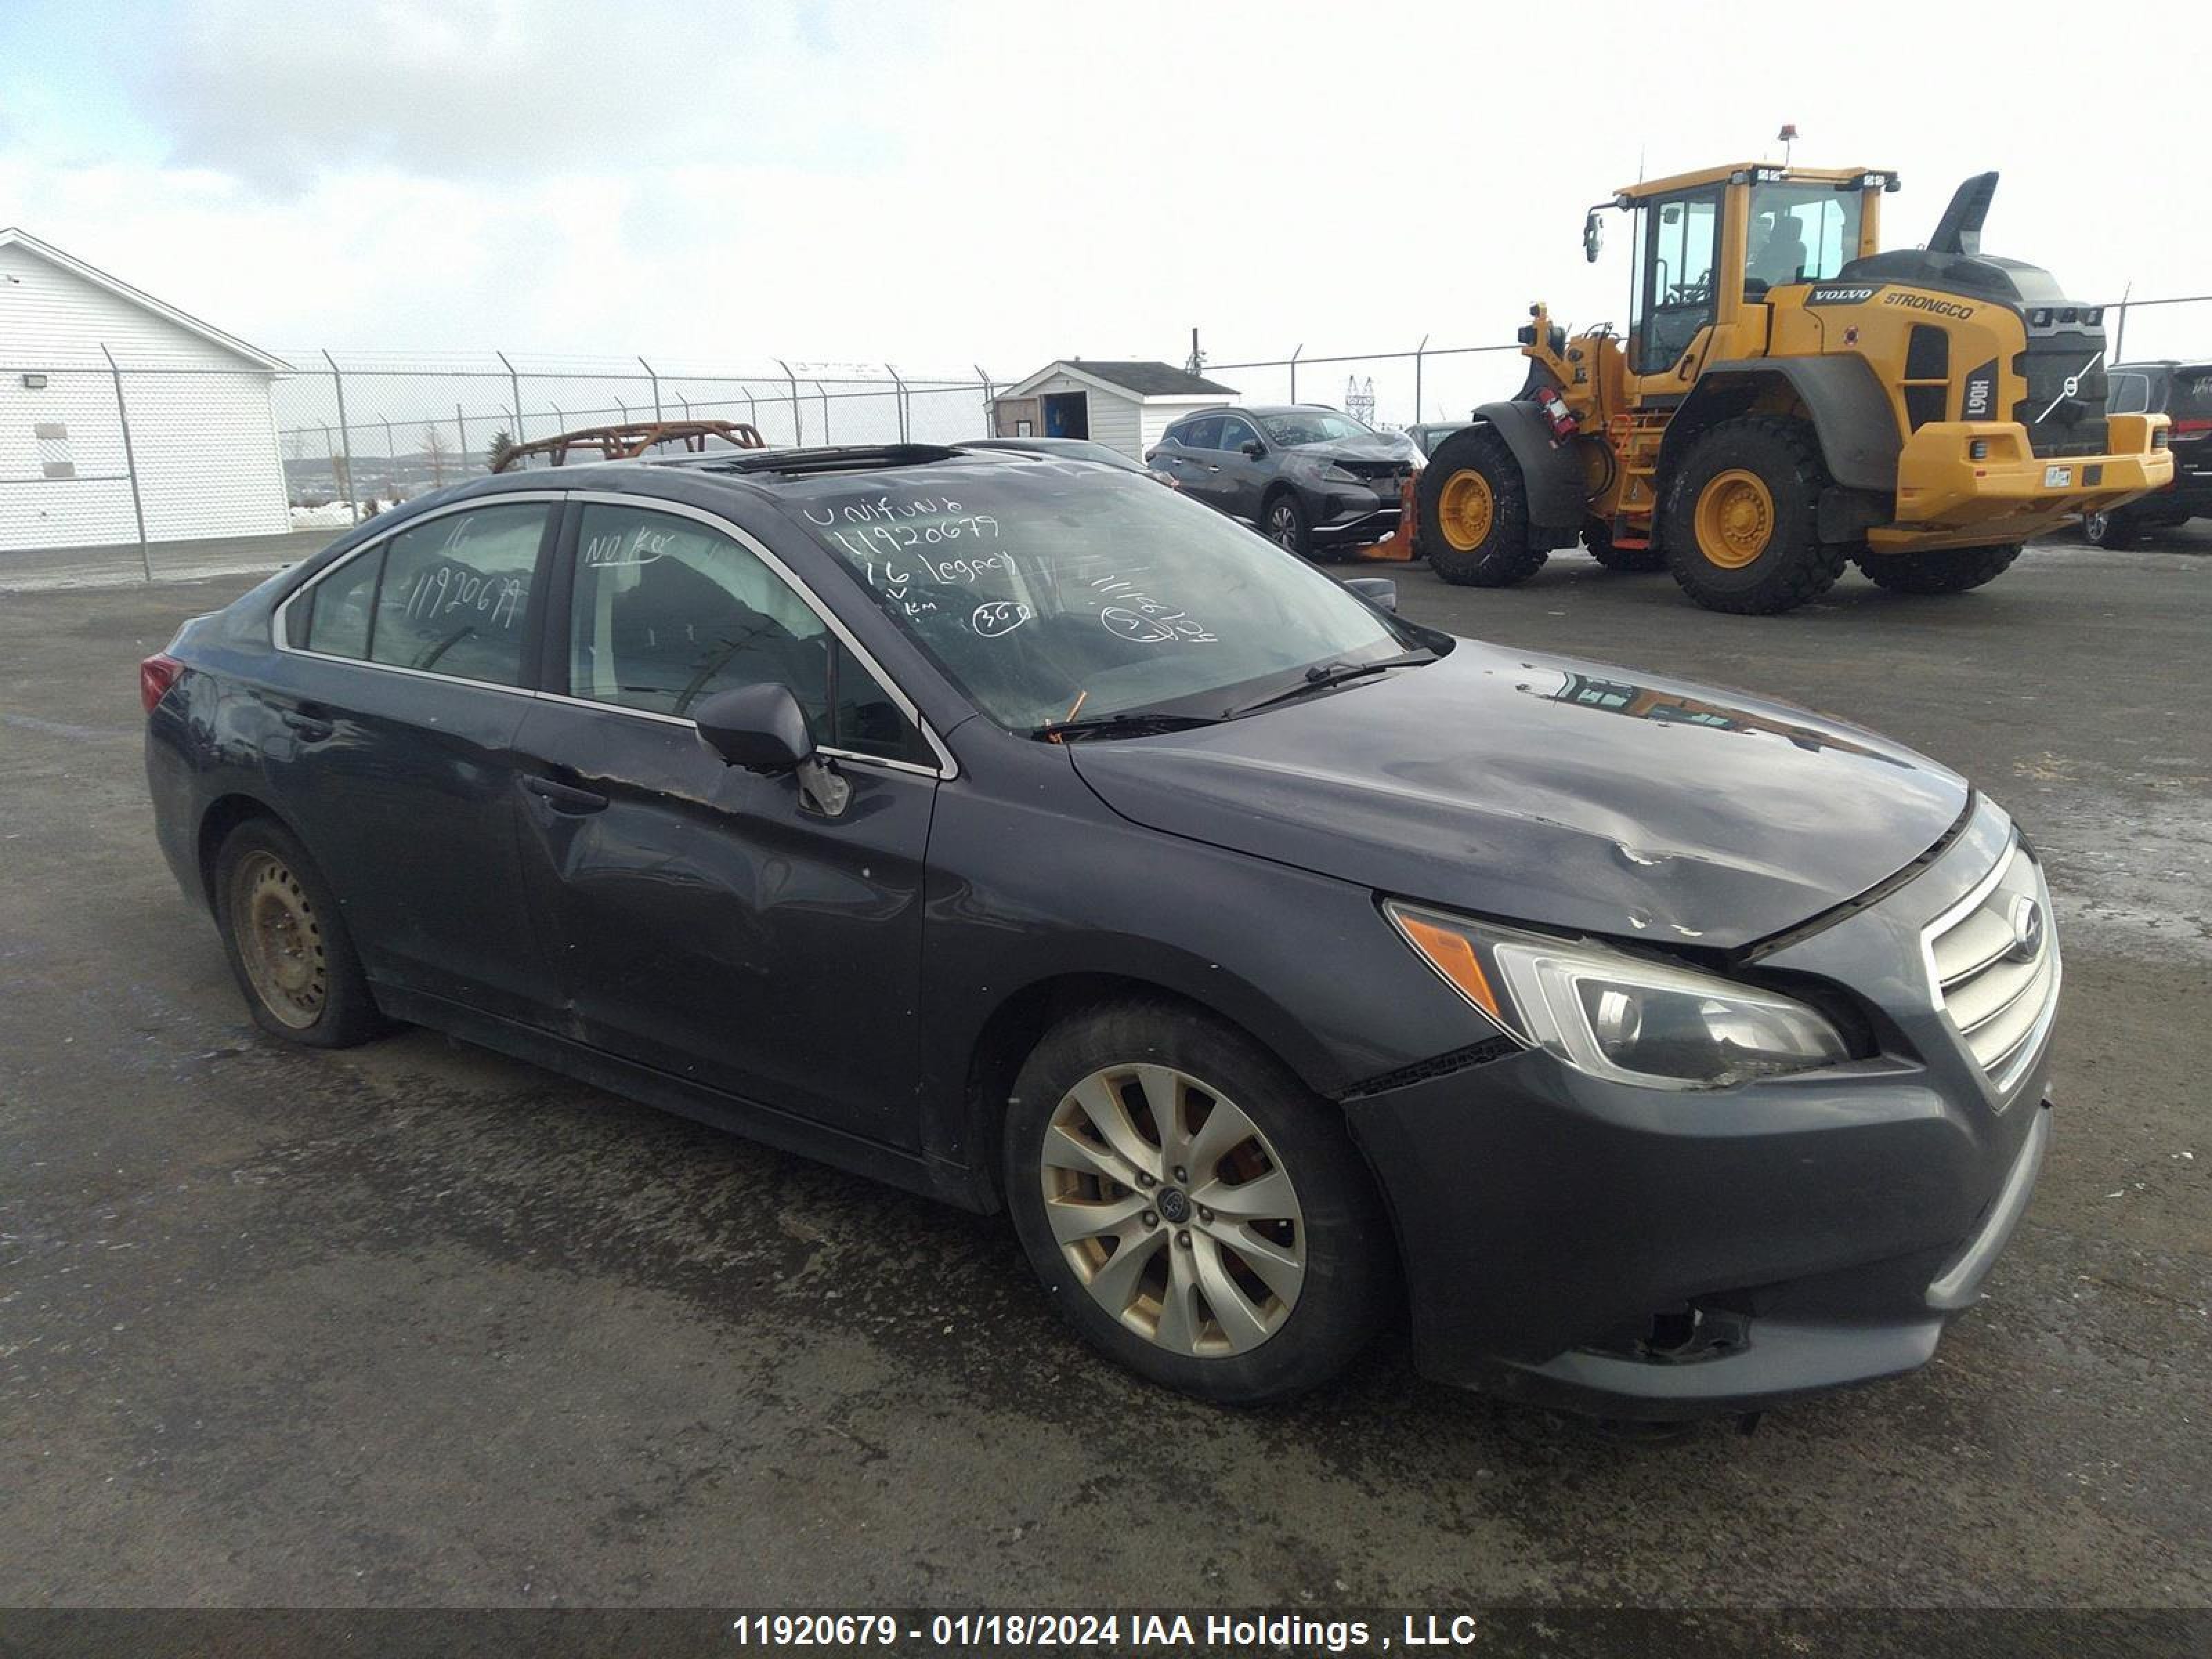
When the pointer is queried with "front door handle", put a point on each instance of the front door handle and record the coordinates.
(564, 798)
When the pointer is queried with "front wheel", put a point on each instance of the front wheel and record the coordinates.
(1472, 505)
(1938, 569)
(1194, 1209)
(2116, 529)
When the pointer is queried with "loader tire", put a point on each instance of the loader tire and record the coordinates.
(1938, 569)
(1742, 530)
(1597, 538)
(1472, 509)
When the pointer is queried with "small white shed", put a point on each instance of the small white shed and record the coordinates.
(202, 429)
(1124, 405)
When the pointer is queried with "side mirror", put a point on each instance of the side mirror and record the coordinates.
(762, 728)
(1378, 591)
(1253, 447)
(1593, 235)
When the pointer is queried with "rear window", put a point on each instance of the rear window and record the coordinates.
(2193, 393)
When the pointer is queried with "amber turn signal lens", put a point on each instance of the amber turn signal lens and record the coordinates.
(1451, 955)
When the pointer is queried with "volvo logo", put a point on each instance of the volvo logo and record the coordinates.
(2026, 921)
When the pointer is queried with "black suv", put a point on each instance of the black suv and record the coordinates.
(2183, 391)
(1312, 479)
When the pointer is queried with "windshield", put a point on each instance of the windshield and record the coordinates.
(1310, 426)
(1050, 592)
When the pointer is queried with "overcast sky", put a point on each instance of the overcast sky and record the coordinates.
(958, 183)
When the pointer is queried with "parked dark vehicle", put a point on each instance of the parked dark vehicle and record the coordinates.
(1018, 833)
(1428, 435)
(2183, 391)
(1311, 479)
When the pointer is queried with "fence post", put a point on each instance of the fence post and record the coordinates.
(1418, 350)
(345, 440)
(461, 424)
(990, 418)
(390, 457)
(1294, 371)
(898, 398)
(686, 401)
(130, 462)
(825, 412)
(655, 378)
(514, 384)
(798, 425)
(752, 410)
(2120, 330)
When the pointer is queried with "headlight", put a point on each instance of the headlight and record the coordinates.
(1617, 1015)
(1336, 474)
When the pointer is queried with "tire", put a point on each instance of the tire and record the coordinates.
(1283, 521)
(1938, 569)
(1597, 538)
(1241, 1339)
(1472, 506)
(288, 943)
(2114, 529)
(1740, 529)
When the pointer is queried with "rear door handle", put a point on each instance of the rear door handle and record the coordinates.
(564, 798)
(312, 728)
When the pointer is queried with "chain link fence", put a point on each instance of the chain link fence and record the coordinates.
(112, 466)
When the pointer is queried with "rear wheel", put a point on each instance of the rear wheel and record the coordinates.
(287, 943)
(1283, 521)
(2115, 529)
(1194, 1209)
(1740, 529)
(1597, 536)
(1472, 507)
(1938, 569)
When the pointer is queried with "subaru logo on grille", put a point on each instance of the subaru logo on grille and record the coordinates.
(2026, 921)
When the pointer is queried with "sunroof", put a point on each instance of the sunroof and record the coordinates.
(795, 463)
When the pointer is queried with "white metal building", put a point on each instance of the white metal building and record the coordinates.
(203, 433)
(1124, 405)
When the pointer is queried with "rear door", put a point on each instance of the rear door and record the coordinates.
(404, 675)
(710, 924)
(1181, 454)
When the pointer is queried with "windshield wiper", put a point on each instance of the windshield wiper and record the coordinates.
(1137, 723)
(1323, 675)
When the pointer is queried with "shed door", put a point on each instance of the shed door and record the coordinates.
(1067, 415)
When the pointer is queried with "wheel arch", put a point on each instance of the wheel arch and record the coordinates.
(224, 814)
(1018, 1022)
(1838, 397)
(1550, 474)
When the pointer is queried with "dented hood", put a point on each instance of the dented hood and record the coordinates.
(1549, 791)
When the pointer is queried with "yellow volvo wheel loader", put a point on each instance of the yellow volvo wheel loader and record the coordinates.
(1787, 397)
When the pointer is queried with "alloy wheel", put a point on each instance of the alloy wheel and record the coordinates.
(1176, 1213)
(1283, 525)
(279, 939)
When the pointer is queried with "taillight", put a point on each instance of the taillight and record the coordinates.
(2191, 428)
(156, 676)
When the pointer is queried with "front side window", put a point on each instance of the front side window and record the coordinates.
(1799, 234)
(1056, 594)
(1311, 426)
(1681, 242)
(455, 594)
(2131, 394)
(667, 611)
(1236, 434)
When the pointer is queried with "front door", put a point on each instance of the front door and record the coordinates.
(710, 923)
(1239, 479)
(1678, 286)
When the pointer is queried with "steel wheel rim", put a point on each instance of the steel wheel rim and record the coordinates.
(1285, 524)
(1735, 519)
(1176, 1213)
(279, 940)
(1465, 509)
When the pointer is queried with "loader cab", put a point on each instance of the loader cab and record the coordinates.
(1711, 246)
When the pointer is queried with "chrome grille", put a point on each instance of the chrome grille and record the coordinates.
(1993, 964)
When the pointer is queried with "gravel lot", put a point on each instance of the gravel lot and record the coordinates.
(415, 1324)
